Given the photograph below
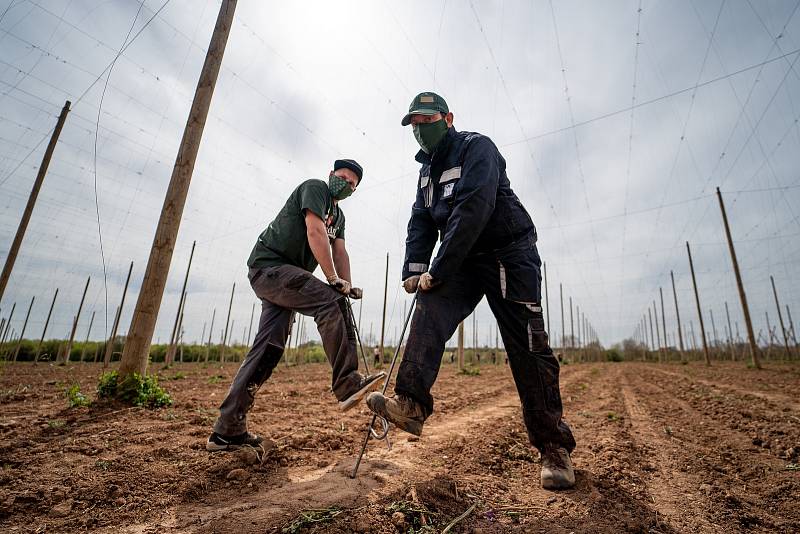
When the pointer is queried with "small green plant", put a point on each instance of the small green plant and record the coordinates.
(792, 467)
(56, 423)
(309, 518)
(611, 416)
(215, 379)
(470, 370)
(613, 355)
(103, 464)
(75, 398)
(133, 389)
(178, 376)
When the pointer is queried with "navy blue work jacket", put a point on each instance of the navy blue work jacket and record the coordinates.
(465, 199)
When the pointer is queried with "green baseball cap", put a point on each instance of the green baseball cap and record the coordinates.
(426, 103)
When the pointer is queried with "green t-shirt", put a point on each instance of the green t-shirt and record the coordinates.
(285, 241)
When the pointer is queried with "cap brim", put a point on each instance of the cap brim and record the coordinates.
(407, 119)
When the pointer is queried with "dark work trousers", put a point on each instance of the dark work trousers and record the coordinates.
(284, 290)
(533, 365)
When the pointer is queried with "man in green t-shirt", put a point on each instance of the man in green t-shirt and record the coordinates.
(307, 232)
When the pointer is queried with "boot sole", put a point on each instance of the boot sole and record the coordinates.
(553, 484)
(353, 399)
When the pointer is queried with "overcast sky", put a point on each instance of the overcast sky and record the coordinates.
(615, 190)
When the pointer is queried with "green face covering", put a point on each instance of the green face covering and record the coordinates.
(430, 134)
(339, 187)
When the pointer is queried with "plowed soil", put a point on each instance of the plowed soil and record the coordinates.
(661, 448)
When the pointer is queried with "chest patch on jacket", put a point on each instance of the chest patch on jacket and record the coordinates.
(447, 190)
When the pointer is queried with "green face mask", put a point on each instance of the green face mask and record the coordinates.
(339, 187)
(430, 134)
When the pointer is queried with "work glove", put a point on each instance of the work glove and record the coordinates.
(426, 282)
(356, 293)
(410, 284)
(340, 284)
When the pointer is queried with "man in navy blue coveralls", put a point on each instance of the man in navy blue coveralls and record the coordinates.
(488, 248)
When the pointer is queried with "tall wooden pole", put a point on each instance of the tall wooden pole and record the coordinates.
(250, 330)
(461, 345)
(791, 325)
(578, 315)
(571, 326)
(227, 323)
(210, 333)
(780, 318)
(563, 327)
(26, 215)
(24, 326)
(88, 331)
(677, 311)
(383, 316)
(546, 297)
(4, 331)
(699, 310)
(75, 324)
(658, 330)
(663, 320)
(44, 330)
(117, 316)
(713, 328)
(170, 357)
(730, 330)
(652, 337)
(742, 297)
(140, 334)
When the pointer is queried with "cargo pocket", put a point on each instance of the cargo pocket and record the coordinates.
(519, 277)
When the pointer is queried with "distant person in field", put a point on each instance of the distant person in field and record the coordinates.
(488, 248)
(377, 355)
(306, 233)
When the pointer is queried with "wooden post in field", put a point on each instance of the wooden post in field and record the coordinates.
(714, 329)
(563, 328)
(227, 323)
(4, 331)
(677, 312)
(663, 321)
(460, 353)
(117, 316)
(140, 334)
(24, 326)
(652, 335)
(44, 330)
(170, 356)
(578, 315)
(791, 325)
(546, 297)
(26, 215)
(740, 286)
(699, 310)
(383, 316)
(730, 330)
(571, 326)
(780, 318)
(250, 330)
(75, 324)
(210, 332)
(88, 331)
(658, 330)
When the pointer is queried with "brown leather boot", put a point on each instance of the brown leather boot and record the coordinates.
(406, 413)
(557, 473)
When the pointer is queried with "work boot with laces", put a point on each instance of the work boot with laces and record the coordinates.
(557, 473)
(364, 385)
(406, 413)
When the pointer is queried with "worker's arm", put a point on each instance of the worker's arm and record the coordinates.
(341, 260)
(318, 241)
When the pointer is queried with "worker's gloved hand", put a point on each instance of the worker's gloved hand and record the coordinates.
(410, 284)
(427, 282)
(340, 284)
(356, 293)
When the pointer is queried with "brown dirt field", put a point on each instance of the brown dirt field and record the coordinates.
(661, 448)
